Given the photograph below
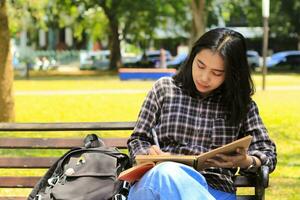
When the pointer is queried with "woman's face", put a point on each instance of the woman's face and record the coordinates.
(208, 71)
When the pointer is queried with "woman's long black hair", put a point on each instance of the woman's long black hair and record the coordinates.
(238, 87)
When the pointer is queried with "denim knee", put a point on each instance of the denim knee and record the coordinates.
(173, 169)
(170, 180)
(166, 168)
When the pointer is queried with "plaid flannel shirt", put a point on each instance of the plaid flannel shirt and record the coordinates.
(194, 125)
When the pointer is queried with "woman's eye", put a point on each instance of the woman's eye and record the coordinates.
(200, 66)
(217, 73)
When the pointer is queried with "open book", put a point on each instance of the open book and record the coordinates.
(146, 162)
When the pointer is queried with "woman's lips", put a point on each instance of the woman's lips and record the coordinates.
(202, 85)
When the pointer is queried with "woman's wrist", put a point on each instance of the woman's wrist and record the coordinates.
(248, 162)
(258, 162)
(254, 163)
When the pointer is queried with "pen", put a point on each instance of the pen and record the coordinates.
(155, 138)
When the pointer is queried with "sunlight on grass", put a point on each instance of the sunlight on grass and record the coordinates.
(283, 188)
(84, 83)
(78, 108)
(278, 80)
(279, 110)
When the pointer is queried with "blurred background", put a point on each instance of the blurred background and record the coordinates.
(60, 61)
(105, 35)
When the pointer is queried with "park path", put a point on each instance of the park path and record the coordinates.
(124, 91)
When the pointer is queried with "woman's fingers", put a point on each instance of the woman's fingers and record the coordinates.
(229, 161)
(241, 151)
(219, 163)
(151, 151)
(155, 150)
(235, 159)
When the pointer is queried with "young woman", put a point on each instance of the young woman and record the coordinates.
(207, 104)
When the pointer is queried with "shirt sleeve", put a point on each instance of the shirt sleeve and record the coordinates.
(261, 146)
(141, 138)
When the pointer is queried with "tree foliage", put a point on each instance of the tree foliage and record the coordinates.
(126, 20)
(285, 18)
(135, 22)
(28, 13)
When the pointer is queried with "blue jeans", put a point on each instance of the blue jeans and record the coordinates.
(175, 181)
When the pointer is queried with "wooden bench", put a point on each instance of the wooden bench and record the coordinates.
(258, 181)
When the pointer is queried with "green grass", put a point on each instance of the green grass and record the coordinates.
(281, 113)
(78, 108)
(279, 109)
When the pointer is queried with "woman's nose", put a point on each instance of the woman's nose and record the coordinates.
(204, 76)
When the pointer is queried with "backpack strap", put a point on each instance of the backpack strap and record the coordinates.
(43, 182)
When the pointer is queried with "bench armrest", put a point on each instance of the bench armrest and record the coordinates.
(263, 176)
(262, 182)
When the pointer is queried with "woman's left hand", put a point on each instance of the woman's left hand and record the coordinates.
(239, 159)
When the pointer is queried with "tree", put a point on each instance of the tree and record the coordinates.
(284, 16)
(6, 71)
(204, 14)
(284, 19)
(135, 22)
(110, 9)
(199, 19)
(138, 20)
(126, 20)
(241, 12)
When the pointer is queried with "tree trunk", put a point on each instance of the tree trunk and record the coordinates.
(199, 19)
(110, 10)
(6, 70)
(114, 45)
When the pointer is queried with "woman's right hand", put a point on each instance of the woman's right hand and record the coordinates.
(155, 150)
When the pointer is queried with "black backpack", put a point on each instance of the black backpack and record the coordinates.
(85, 173)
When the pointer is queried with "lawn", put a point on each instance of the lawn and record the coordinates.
(87, 99)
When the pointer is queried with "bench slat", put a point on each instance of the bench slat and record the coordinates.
(13, 198)
(28, 162)
(244, 181)
(42, 162)
(22, 182)
(243, 197)
(54, 143)
(71, 126)
(30, 181)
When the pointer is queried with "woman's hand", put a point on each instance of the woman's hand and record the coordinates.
(239, 159)
(155, 150)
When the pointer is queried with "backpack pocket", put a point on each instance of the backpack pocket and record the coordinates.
(87, 175)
